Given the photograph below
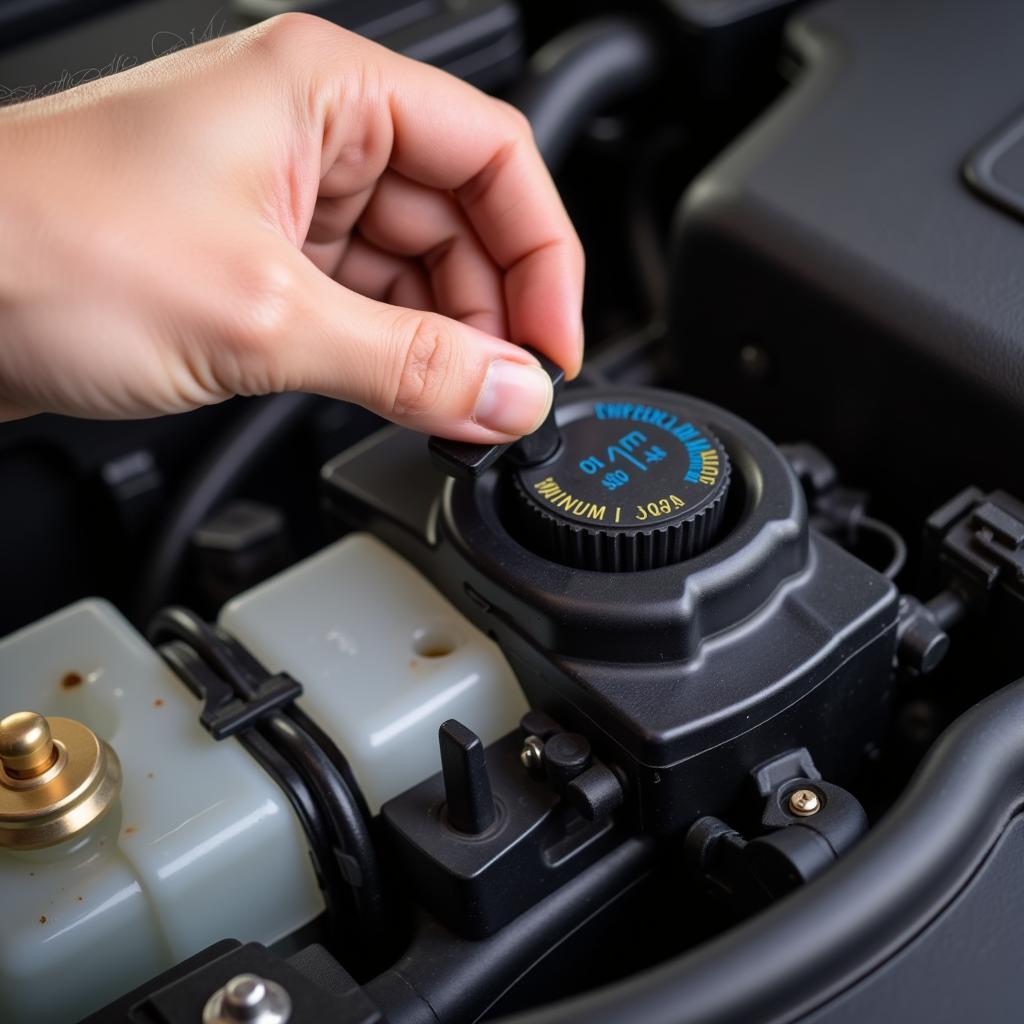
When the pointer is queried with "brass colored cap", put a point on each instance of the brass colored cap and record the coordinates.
(26, 745)
(56, 779)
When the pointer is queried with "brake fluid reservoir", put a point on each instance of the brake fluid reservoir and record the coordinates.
(384, 660)
(195, 845)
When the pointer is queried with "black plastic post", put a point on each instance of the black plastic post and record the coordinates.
(470, 804)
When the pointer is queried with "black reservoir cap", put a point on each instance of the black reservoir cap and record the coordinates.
(634, 485)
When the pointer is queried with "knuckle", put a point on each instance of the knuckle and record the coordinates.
(517, 120)
(428, 361)
(293, 36)
(285, 31)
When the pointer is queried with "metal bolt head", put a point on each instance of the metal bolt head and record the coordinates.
(804, 802)
(250, 999)
(245, 993)
(532, 754)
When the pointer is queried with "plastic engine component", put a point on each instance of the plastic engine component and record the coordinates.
(827, 218)
(682, 676)
(198, 825)
(382, 658)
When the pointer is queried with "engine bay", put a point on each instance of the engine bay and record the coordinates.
(697, 704)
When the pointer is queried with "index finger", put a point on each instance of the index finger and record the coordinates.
(449, 135)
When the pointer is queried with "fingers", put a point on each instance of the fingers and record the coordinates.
(379, 275)
(409, 219)
(440, 132)
(420, 369)
(335, 216)
(448, 136)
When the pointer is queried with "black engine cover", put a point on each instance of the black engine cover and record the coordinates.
(683, 677)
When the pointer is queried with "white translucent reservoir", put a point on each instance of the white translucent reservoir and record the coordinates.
(201, 845)
(384, 659)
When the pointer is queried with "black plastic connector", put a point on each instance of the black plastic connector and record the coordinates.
(809, 823)
(976, 543)
(228, 708)
(473, 880)
(973, 547)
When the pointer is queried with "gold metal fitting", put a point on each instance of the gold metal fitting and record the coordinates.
(56, 779)
(26, 745)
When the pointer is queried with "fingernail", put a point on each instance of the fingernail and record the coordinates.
(583, 348)
(514, 399)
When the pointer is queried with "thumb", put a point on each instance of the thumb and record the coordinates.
(420, 369)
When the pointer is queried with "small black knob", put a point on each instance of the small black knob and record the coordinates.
(566, 755)
(467, 786)
(468, 461)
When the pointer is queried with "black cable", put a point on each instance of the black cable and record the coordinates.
(355, 854)
(580, 72)
(181, 624)
(236, 664)
(334, 755)
(191, 667)
(325, 771)
(251, 672)
(893, 538)
(229, 461)
(648, 249)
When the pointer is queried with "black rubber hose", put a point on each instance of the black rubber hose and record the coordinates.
(239, 666)
(326, 776)
(189, 666)
(355, 851)
(334, 754)
(858, 914)
(177, 623)
(446, 978)
(578, 74)
(229, 461)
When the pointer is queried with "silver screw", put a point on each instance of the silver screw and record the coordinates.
(532, 754)
(250, 999)
(804, 802)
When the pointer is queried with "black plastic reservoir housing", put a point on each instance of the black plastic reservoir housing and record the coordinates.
(690, 640)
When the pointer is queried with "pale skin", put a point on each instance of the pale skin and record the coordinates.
(288, 208)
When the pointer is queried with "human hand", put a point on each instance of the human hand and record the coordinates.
(289, 208)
